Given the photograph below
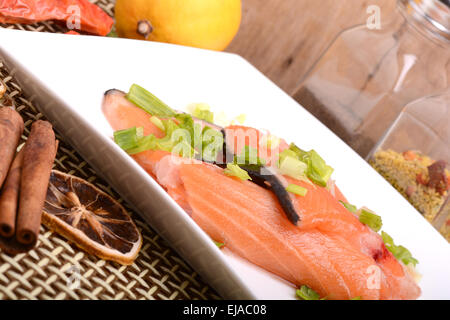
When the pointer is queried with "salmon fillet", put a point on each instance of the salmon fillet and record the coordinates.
(255, 228)
(123, 114)
(330, 250)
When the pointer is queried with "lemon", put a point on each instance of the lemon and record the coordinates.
(207, 24)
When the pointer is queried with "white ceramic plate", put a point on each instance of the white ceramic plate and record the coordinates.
(67, 75)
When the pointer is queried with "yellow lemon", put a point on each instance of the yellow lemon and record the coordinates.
(208, 24)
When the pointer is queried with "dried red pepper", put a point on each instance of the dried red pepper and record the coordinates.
(77, 14)
(438, 177)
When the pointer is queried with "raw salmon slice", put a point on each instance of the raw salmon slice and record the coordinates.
(123, 114)
(237, 137)
(330, 250)
(255, 228)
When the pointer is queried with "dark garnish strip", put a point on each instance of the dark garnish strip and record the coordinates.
(261, 176)
(266, 179)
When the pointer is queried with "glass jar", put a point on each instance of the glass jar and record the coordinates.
(359, 85)
(414, 156)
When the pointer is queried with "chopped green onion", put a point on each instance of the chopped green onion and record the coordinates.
(184, 149)
(273, 142)
(269, 142)
(298, 190)
(220, 118)
(186, 122)
(165, 144)
(399, 252)
(209, 135)
(292, 167)
(148, 102)
(241, 118)
(133, 141)
(212, 144)
(301, 154)
(157, 122)
(145, 143)
(176, 140)
(349, 206)
(219, 244)
(372, 220)
(127, 139)
(306, 293)
(182, 143)
(169, 126)
(197, 143)
(233, 170)
(356, 298)
(249, 156)
(286, 153)
(202, 111)
(318, 171)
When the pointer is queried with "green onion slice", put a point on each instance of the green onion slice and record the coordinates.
(169, 126)
(128, 138)
(301, 154)
(148, 102)
(399, 252)
(186, 122)
(372, 220)
(233, 170)
(241, 118)
(298, 190)
(212, 143)
(146, 143)
(287, 153)
(157, 122)
(202, 111)
(306, 293)
(249, 156)
(219, 244)
(349, 206)
(292, 167)
(318, 171)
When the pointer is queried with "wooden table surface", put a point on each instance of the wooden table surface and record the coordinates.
(283, 38)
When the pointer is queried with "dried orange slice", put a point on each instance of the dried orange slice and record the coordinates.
(90, 218)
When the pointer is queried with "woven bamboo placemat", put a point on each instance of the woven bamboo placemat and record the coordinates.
(57, 269)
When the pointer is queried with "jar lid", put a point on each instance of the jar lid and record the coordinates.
(433, 15)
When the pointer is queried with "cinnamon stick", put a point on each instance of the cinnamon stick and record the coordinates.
(2, 89)
(38, 158)
(11, 128)
(9, 198)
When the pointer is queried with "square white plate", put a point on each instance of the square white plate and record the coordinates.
(67, 76)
